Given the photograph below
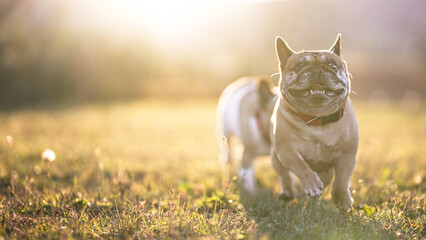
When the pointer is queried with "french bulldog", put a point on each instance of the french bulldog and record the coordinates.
(243, 113)
(314, 130)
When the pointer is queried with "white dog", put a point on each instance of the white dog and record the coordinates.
(244, 111)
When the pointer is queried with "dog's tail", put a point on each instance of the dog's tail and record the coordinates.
(223, 141)
(221, 133)
(225, 154)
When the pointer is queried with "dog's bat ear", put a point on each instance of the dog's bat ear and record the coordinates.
(336, 46)
(283, 51)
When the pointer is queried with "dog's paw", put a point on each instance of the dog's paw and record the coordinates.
(247, 180)
(313, 186)
(342, 199)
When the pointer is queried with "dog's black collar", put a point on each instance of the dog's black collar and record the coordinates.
(264, 132)
(320, 121)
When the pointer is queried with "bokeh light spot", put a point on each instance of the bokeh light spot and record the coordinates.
(410, 101)
(37, 169)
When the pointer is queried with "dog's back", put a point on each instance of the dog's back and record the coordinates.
(233, 102)
(243, 112)
(232, 112)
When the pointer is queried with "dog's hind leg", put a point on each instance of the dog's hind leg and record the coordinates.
(340, 192)
(286, 182)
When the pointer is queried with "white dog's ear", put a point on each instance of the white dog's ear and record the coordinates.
(283, 51)
(336, 46)
(265, 91)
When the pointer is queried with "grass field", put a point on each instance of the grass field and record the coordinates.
(149, 169)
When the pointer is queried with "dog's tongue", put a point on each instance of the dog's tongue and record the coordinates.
(318, 87)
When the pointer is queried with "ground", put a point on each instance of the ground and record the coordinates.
(149, 169)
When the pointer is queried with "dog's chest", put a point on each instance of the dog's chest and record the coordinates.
(320, 150)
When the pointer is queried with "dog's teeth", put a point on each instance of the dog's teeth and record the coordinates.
(316, 92)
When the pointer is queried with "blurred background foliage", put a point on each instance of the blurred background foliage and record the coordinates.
(78, 51)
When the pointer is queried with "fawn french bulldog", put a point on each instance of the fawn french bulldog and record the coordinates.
(243, 112)
(313, 126)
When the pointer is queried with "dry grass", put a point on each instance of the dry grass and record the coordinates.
(149, 169)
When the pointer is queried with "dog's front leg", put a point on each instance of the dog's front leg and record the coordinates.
(341, 193)
(246, 171)
(292, 160)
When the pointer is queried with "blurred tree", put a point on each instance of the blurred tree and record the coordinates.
(51, 52)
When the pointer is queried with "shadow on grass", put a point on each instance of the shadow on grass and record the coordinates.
(303, 218)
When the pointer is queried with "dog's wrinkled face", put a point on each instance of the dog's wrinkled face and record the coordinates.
(314, 83)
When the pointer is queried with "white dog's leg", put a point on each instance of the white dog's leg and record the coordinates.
(247, 179)
(246, 172)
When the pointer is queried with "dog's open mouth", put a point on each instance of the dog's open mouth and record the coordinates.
(315, 93)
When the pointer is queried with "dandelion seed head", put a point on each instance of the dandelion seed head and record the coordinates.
(48, 155)
(418, 179)
(9, 140)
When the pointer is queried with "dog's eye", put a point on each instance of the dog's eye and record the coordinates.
(333, 66)
(297, 67)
